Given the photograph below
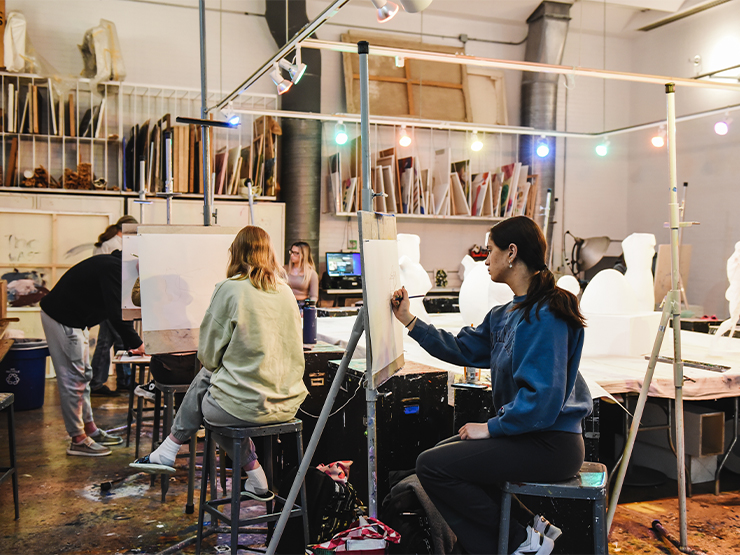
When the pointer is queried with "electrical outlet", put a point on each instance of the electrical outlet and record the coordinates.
(352, 244)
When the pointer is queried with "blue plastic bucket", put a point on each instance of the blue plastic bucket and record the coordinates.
(23, 371)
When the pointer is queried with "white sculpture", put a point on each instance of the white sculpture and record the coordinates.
(609, 292)
(478, 294)
(409, 245)
(639, 250)
(569, 283)
(416, 281)
(732, 295)
(413, 275)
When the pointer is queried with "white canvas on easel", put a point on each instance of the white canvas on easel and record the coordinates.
(129, 271)
(179, 266)
(381, 277)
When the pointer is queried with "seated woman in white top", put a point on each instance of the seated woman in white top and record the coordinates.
(302, 276)
(252, 356)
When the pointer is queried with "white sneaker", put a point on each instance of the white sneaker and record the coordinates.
(535, 544)
(543, 526)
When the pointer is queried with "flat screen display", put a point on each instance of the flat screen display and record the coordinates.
(343, 264)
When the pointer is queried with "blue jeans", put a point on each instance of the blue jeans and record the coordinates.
(108, 337)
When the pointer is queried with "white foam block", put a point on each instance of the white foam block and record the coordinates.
(620, 334)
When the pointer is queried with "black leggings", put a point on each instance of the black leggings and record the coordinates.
(461, 478)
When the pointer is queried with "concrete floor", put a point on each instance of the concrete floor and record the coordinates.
(63, 510)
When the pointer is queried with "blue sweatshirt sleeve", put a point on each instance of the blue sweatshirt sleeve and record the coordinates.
(540, 363)
(471, 347)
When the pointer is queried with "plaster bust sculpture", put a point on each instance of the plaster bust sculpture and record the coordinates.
(639, 249)
(413, 275)
(609, 293)
(569, 283)
(733, 293)
(478, 294)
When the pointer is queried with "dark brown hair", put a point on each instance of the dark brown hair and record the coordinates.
(531, 248)
(112, 230)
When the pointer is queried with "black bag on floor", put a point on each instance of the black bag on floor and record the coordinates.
(332, 507)
(405, 515)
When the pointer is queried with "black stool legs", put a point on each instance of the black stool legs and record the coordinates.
(6, 405)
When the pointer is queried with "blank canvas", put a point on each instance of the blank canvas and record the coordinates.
(382, 276)
(179, 267)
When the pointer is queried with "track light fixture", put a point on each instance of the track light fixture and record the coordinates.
(386, 10)
(476, 144)
(658, 140)
(415, 6)
(297, 68)
(282, 84)
(602, 149)
(404, 140)
(542, 149)
(231, 118)
(340, 133)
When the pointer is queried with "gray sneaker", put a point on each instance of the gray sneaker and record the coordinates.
(87, 448)
(101, 437)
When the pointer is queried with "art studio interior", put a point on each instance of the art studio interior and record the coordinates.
(391, 262)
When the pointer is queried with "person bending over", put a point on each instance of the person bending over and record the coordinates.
(108, 241)
(533, 347)
(86, 295)
(252, 356)
(302, 276)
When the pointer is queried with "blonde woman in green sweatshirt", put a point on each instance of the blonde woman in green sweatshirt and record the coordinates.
(252, 356)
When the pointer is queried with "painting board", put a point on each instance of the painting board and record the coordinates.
(179, 267)
(381, 277)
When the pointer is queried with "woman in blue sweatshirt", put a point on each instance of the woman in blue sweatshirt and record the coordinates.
(533, 347)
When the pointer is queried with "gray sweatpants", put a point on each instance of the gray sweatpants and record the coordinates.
(197, 405)
(70, 353)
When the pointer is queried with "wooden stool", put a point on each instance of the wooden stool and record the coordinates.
(169, 391)
(238, 435)
(6, 405)
(590, 484)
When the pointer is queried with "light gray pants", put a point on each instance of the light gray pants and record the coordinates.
(197, 405)
(70, 353)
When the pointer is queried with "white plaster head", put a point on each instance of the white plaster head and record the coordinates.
(416, 281)
(569, 283)
(639, 249)
(409, 245)
(609, 292)
(478, 294)
(733, 276)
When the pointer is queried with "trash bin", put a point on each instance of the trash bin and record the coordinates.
(22, 373)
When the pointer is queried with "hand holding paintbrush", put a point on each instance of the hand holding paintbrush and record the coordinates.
(400, 305)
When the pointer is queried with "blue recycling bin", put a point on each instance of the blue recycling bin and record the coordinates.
(23, 371)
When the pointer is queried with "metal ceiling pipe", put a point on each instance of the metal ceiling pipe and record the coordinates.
(299, 147)
(548, 28)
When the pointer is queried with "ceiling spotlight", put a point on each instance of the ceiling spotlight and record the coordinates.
(297, 68)
(404, 140)
(543, 149)
(386, 10)
(602, 149)
(415, 6)
(340, 133)
(232, 119)
(722, 127)
(282, 84)
(658, 140)
(476, 144)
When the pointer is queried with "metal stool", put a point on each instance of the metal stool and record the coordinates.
(142, 367)
(590, 484)
(238, 435)
(6, 405)
(169, 391)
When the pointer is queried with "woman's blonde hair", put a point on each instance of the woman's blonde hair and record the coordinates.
(306, 264)
(251, 256)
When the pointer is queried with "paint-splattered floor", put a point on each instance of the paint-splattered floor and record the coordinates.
(63, 510)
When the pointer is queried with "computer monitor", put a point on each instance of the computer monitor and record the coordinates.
(343, 264)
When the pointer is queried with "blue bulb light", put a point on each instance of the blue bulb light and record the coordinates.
(543, 150)
(234, 120)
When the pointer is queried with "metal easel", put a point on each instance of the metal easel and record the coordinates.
(371, 226)
(671, 310)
